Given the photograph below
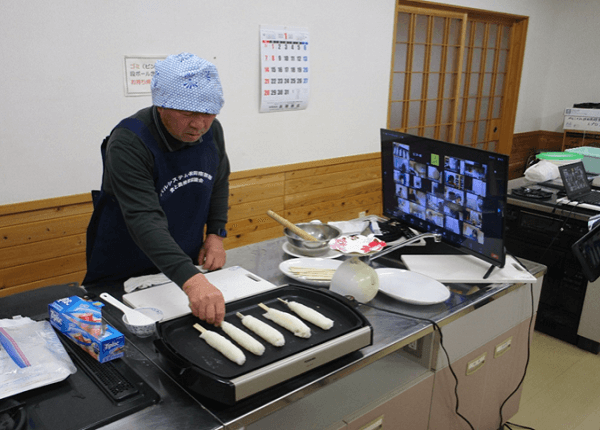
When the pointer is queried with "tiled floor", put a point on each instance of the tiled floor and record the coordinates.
(562, 388)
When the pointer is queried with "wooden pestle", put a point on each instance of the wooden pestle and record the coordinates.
(284, 222)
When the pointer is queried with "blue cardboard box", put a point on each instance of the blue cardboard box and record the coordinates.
(81, 321)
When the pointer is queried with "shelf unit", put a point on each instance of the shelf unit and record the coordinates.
(578, 138)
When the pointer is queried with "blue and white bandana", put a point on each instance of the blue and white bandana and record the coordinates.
(187, 82)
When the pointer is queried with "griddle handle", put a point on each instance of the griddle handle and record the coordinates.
(172, 357)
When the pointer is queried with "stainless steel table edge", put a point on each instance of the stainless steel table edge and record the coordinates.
(381, 347)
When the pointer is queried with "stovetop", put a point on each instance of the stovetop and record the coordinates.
(94, 396)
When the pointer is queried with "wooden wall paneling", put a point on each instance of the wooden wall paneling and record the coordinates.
(41, 270)
(55, 204)
(43, 242)
(528, 144)
(43, 250)
(329, 194)
(340, 209)
(39, 231)
(319, 180)
(524, 145)
(249, 200)
(54, 280)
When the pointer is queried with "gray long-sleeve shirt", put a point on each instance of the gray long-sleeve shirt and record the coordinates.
(128, 175)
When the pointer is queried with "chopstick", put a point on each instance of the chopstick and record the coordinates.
(313, 273)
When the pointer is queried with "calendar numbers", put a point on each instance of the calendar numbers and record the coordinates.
(285, 72)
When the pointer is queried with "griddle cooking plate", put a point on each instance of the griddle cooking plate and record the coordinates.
(194, 359)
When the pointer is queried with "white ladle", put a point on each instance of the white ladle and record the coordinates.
(133, 317)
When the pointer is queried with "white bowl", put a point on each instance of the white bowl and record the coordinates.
(144, 330)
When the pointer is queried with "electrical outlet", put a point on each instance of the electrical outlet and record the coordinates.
(376, 424)
(501, 348)
(415, 348)
(474, 365)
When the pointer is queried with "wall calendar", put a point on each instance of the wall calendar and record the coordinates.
(285, 68)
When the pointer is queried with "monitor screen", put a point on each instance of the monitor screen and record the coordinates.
(454, 190)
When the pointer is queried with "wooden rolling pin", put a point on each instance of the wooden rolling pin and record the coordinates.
(284, 222)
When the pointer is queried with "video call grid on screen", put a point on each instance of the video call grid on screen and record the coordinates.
(446, 191)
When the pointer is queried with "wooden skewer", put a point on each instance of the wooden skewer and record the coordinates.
(264, 307)
(309, 270)
(281, 220)
(317, 274)
(239, 315)
(199, 328)
(281, 300)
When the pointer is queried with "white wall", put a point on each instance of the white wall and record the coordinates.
(62, 78)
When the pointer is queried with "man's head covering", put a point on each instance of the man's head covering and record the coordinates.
(187, 82)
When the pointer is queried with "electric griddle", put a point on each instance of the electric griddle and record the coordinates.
(206, 372)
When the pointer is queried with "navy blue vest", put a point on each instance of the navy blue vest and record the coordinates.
(183, 181)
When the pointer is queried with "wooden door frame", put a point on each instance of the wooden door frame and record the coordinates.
(510, 93)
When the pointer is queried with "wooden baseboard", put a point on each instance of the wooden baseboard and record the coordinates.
(526, 145)
(43, 242)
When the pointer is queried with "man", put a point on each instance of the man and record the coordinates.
(166, 177)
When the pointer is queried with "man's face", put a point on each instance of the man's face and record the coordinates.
(184, 125)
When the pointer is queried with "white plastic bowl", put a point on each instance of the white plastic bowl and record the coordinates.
(144, 330)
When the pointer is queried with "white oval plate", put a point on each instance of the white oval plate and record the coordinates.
(331, 253)
(311, 263)
(411, 287)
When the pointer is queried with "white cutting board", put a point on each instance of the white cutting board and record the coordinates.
(466, 269)
(234, 282)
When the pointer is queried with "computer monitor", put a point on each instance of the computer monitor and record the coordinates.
(454, 190)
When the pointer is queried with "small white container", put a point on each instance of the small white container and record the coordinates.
(144, 330)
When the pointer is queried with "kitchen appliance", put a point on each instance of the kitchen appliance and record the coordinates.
(96, 395)
(204, 371)
(587, 251)
(546, 237)
(532, 193)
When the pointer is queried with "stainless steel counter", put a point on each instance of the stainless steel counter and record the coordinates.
(182, 410)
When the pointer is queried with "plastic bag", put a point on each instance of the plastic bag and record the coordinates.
(542, 171)
(31, 356)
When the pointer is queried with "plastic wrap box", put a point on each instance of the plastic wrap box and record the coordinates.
(591, 158)
(81, 321)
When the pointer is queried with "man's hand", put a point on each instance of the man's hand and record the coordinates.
(206, 300)
(212, 254)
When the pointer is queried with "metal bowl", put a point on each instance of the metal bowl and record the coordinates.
(322, 232)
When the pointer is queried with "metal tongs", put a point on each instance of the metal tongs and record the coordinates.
(437, 237)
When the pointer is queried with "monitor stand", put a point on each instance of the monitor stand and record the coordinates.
(464, 268)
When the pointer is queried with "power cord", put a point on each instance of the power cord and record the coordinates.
(439, 330)
(509, 424)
